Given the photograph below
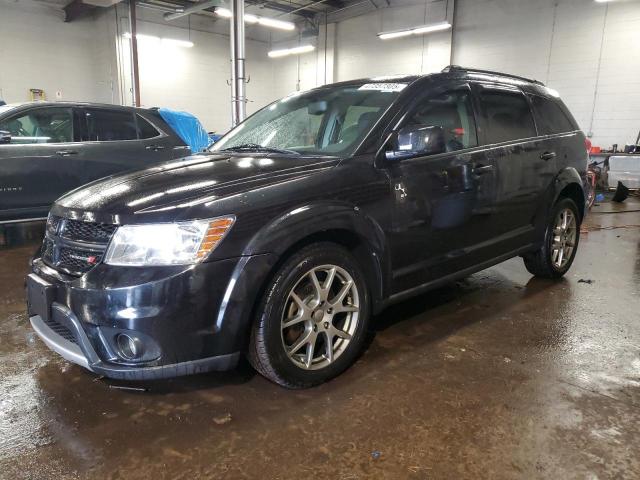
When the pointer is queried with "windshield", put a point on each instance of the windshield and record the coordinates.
(325, 121)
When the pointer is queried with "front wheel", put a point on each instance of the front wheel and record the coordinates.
(312, 321)
(560, 245)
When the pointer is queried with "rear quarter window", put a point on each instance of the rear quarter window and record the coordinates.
(550, 117)
(145, 129)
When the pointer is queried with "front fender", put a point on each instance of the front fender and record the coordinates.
(270, 245)
(329, 220)
(286, 230)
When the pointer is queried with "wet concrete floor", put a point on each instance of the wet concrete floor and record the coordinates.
(498, 376)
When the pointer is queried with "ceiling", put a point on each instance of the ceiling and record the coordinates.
(294, 9)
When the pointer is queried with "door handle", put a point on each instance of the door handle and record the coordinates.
(155, 148)
(66, 153)
(482, 169)
(547, 156)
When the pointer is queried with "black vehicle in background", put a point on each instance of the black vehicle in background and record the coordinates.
(47, 149)
(304, 221)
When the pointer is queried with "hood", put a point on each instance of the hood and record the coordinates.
(173, 190)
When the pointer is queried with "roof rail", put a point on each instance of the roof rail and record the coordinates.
(458, 68)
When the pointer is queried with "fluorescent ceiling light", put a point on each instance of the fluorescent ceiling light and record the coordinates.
(266, 21)
(142, 36)
(273, 23)
(291, 51)
(415, 31)
(178, 43)
(168, 41)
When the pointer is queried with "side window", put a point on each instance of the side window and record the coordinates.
(145, 129)
(40, 125)
(549, 116)
(453, 111)
(507, 114)
(108, 125)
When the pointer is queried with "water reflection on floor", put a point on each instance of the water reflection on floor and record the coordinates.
(497, 376)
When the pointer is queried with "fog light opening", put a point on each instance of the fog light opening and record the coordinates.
(130, 347)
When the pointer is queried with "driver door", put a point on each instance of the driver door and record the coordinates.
(445, 202)
(40, 162)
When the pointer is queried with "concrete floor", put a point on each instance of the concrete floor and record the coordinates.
(498, 376)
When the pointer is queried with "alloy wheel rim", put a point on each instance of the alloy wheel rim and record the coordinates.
(320, 317)
(564, 238)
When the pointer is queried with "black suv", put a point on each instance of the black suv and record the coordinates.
(306, 220)
(49, 148)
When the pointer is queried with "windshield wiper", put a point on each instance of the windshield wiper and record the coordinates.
(255, 147)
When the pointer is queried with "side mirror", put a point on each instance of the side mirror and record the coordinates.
(5, 137)
(417, 140)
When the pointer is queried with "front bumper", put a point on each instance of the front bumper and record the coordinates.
(81, 353)
(188, 319)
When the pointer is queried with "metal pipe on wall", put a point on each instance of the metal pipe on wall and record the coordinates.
(134, 53)
(238, 78)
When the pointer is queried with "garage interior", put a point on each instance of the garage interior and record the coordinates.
(500, 375)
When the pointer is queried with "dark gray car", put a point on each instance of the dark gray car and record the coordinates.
(47, 149)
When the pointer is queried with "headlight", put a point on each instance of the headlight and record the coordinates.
(167, 243)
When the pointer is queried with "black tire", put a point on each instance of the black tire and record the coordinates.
(267, 351)
(540, 263)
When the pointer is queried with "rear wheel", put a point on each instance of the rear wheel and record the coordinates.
(559, 249)
(313, 318)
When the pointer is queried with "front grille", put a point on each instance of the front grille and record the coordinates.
(47, 250)
(61, 330)
(52, 224)
(74, 246)
(78, 260)
(87, 231)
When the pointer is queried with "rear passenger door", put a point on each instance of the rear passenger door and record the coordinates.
(509, 132)
(554, 126)
(117, 140)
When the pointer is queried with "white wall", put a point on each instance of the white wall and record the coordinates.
(593, 61)
(588, 51)
(39, 50)
(360, 53)
(355, 51)
(84, 60)
(193, 79)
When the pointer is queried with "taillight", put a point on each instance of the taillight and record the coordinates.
(587, 144)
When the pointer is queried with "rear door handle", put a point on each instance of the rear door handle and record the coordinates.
(66, 153)
(155, 148)
(482, 169)
(547, 156)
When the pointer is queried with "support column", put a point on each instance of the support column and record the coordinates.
(135, 84)
(326, 54)
(238, 79)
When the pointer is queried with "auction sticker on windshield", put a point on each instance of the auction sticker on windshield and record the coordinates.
(383, 87)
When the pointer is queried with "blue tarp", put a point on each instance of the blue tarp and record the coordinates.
(188, 128)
